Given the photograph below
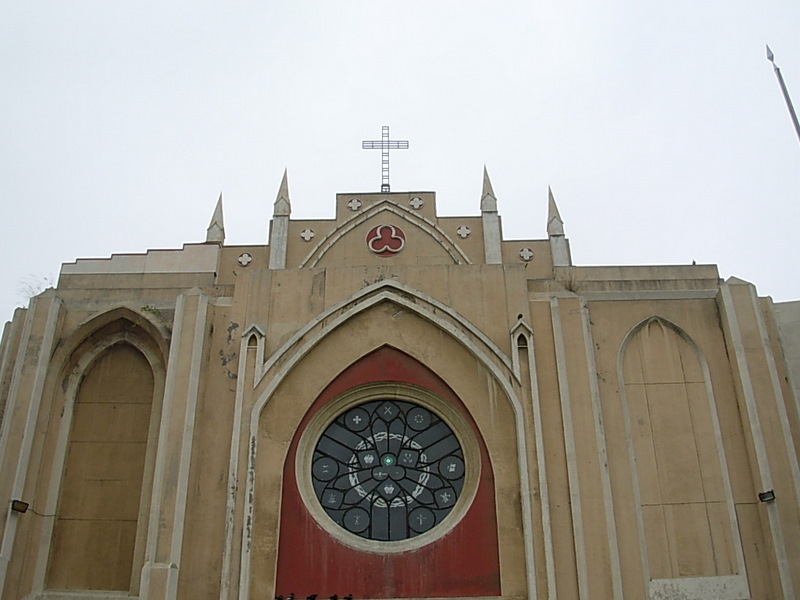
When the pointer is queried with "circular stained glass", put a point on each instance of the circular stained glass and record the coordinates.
(388, 470)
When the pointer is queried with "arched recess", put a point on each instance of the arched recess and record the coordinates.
(110, 385)
(688, 532)
(437, 568)
(433, 334)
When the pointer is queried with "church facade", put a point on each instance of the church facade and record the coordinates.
(397, 404)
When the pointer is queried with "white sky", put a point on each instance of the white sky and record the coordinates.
(659, 125)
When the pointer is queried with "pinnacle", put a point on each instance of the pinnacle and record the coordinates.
(555, 226)
(488, 199)
(216, 228)
(283, 206)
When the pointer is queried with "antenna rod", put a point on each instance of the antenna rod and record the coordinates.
(771, 58)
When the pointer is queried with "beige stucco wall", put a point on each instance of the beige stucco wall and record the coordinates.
(536, 353)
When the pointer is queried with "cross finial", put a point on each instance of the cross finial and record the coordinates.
(384, 145)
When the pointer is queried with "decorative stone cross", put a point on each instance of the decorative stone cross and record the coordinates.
(307, 235)
(463, 232)
(526, 254)
(416, 203)
(384, 145)
(354, 204)
(245, 259)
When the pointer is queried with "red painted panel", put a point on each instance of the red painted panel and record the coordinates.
(463, 563)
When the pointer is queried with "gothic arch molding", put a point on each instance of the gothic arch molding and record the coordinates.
(496, 364)
(666, 323)
(427, 307)
(154, 335)
(429, 227)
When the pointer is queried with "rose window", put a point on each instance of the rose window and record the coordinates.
(388, 470)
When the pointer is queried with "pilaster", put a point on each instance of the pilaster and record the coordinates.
(22, 411)
(278, 242)
(773, 457)
(250, 356)
(171, 479)
(602, 452)
(571, 450)
(524, 358)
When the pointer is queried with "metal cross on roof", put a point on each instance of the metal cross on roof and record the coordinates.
(384, 145)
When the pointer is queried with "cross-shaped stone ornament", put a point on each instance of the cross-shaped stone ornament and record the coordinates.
(245, 259)
(307, 235)
(463, 232)
(354, 204)
(526, 254)
(416, 203)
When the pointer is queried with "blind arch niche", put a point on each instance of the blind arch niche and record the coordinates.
(97, 535)
(689, 537)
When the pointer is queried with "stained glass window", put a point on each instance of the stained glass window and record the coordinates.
(388, 470)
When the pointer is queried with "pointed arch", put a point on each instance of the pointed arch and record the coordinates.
(425, 306)
(432, 229)
(497, 365)
(150, 332)
(338, 558)
(129, 344)
(680, 493)
(521, 337)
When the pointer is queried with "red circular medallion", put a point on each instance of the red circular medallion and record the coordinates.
(386, 240)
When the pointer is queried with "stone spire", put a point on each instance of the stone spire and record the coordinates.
(283, 207)
(555, 226)
(488, 199)
(279, 231)
(492, 233)
(559, 248)
(216, 228)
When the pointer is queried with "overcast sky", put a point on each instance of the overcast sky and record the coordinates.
(659, 125)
